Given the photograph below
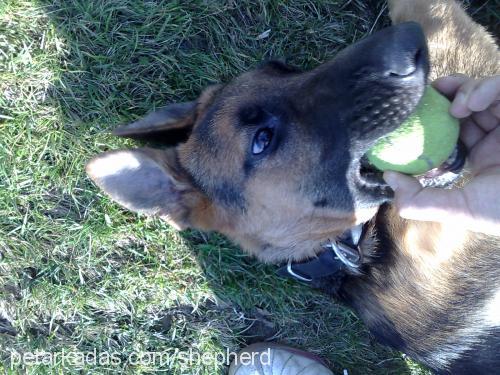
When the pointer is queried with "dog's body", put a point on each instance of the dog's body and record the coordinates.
(430, 290)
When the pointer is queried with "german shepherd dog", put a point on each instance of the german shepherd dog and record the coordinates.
(274, 160)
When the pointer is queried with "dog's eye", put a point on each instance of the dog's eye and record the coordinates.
(262, 140)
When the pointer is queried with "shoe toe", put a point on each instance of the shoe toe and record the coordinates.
(275, 359)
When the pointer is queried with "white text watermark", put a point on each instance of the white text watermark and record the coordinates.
(186, 358)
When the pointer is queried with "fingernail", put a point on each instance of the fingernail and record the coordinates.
(458, 107)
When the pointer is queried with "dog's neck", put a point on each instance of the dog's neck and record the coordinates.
(343, 255)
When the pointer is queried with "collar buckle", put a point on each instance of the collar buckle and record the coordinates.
(349, 255)
(341, 253)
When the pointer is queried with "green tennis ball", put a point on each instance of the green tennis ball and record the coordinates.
(423, 142)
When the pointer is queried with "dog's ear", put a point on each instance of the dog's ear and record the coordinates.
(151, 182)
(171, 124)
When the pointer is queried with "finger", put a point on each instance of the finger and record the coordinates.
(495, 109)
(486, 120)
(449, 85)
(484, 94)
(459, 107)
(426, 204)
(485, 154)
(470, 133)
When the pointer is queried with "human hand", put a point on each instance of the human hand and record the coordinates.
(476, 206)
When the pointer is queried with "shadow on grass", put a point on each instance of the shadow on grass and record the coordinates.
(119, 59)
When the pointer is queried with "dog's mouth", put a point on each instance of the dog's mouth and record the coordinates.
(442, 176)
(447, 172)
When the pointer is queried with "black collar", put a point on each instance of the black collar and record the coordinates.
(339, 255)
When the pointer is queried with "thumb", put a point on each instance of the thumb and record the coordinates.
(426, 204)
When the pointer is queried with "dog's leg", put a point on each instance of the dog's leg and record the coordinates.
(456, 43)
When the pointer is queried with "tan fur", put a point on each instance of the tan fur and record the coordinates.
(456, 43)
(291, 228)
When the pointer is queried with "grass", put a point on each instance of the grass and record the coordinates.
(78, 273)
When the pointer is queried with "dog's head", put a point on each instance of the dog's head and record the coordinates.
(274, 158)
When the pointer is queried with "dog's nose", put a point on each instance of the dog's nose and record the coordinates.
(395, 56)
(404, 52)
(404, 63)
